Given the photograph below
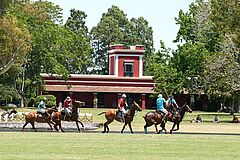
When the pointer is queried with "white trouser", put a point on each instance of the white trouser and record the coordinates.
(123, 110)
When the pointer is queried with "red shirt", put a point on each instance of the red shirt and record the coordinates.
(121, 103)
(67, 103)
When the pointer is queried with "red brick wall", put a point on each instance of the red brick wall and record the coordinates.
(110, 99)
(85, 97)
(111, 66)
(135, 65)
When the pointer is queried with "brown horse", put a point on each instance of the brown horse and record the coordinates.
(156, 119)
(61, 116)
(111, 115)
(33, 117)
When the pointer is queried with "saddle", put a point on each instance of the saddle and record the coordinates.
(65, 116)
(120, 116)
(42, 115)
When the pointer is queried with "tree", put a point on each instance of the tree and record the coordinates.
(14, 42)
(4, 4)
(115, 28)
(53, 46)
(166, 77)
(110, 30)
(211, 47)
(139, 32)
(80, 47)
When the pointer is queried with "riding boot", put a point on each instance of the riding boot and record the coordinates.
(123, 118)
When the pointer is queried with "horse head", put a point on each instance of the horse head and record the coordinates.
(51, 110)
(186, 108)
(136, 106)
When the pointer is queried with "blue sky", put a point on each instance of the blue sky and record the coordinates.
(159, 13)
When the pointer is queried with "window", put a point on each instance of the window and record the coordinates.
(128, 69)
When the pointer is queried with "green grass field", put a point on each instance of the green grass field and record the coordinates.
(97, 146)
(197, 141)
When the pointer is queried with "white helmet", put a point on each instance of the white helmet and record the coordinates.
(160, 95)
(124, 95)
(68, 98)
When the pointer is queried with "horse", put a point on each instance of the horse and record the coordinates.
(61, 116)
(111, 115)
(155, 118)
(33, 117)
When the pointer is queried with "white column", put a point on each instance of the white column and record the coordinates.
(140, 66)
(116, 66)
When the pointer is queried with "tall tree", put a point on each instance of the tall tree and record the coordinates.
(139, 32)
(166, 77)
(110, 30)
(53, 46)
(81, 47)
(14, 42)
(115, 28)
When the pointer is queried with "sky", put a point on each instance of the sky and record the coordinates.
(159, 13)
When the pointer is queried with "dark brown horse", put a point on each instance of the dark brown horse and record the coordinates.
(33, 117)
(111, 115)
(61, 116)
(156, 119)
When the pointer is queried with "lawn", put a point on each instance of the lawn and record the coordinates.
(205, 140)
(186, 126)
(97, 146)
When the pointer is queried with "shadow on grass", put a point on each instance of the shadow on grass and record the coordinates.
(72, 130)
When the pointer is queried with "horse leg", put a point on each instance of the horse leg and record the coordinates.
(147, 125)
(177, 127)
(123, 127)
(172, 128)
(162, 125)
(106, 128)
(24, 125)
(157, 132)
(77, 121)
(81, 124)
(130, 126)
(33, 126)
(145, 128)
(50, 126)
(60, 126)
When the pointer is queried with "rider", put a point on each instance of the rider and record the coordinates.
(160, 106)
(121, 105)
(42, 108)
(68, 106)
(172, 104)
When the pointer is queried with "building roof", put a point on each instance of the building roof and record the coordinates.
(105, 89)
(45, 75)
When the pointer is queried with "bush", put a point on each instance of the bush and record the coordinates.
(51, 100)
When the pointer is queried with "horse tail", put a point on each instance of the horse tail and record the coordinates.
(24, 114)
(101, 113)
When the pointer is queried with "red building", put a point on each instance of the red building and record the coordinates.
(126, 76)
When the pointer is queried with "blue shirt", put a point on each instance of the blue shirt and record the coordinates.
(171, 101)
(41, 105)
(160, 103)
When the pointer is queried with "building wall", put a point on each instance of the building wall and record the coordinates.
(110, 100)
(112, 65)
(135, 65)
